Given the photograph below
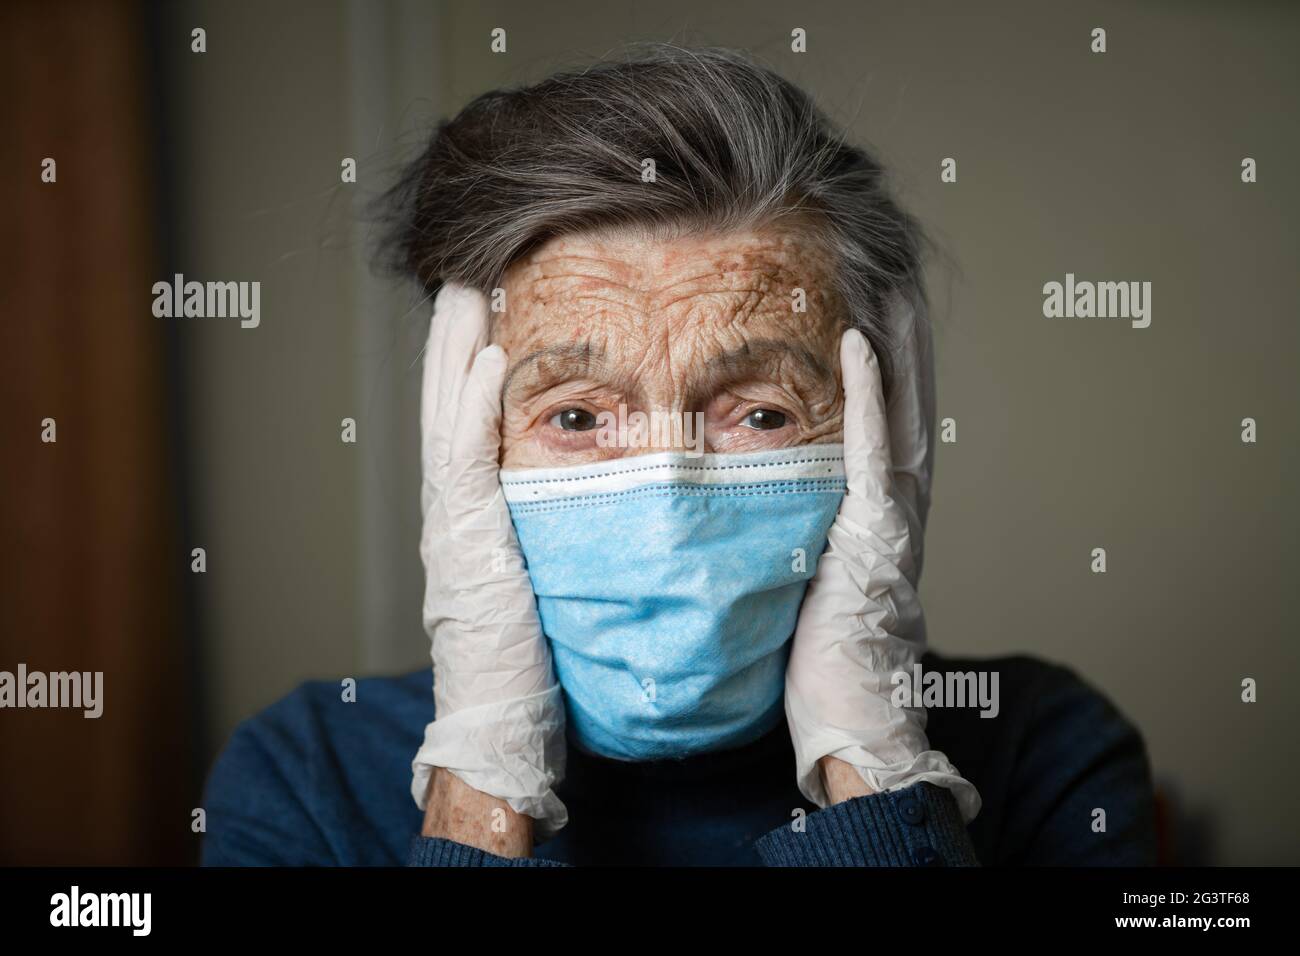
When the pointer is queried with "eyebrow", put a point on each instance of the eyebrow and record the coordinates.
(573, 361)
(752, 359)
(747, 361)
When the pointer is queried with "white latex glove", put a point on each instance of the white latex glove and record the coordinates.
(861, 620)
(499, 714)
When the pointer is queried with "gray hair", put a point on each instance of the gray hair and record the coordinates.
(734, 145)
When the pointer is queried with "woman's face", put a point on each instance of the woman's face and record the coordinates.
(703, 325)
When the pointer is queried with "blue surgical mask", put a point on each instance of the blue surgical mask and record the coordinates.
(669, 587)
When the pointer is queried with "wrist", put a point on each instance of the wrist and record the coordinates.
(456, 811)
(842, 780)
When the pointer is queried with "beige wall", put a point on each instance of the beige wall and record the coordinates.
(1071, 434)
(313, 569)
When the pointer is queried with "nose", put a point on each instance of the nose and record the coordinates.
(660, 428)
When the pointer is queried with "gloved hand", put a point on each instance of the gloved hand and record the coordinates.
(499, 714)
(861, 619)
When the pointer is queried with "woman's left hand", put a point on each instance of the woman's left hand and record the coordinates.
(861, 623)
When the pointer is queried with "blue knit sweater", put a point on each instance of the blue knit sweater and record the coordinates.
(316, 781)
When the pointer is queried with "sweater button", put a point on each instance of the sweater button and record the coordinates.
(911, 810)
(926, 856)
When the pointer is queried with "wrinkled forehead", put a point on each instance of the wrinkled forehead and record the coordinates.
(622, 290)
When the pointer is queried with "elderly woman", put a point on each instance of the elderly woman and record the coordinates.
(688, 644)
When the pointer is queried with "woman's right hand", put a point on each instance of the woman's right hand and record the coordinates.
(499, 714)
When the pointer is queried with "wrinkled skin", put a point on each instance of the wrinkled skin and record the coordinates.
(694, 324)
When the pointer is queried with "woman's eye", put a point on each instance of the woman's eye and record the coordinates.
(764, 419)
(574, 420)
